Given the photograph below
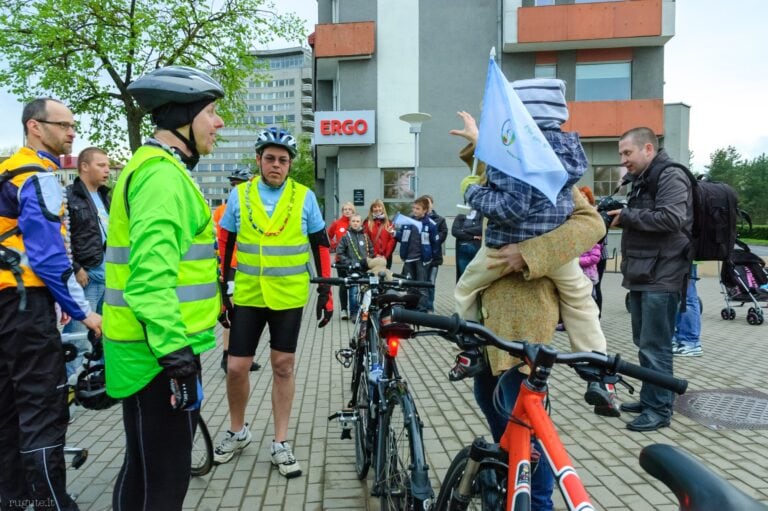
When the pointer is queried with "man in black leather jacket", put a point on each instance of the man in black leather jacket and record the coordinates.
(88, 204)
(657, 223)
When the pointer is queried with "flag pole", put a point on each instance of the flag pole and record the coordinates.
(464, 206)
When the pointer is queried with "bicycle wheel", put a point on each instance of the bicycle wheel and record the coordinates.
(489, 486)
(363, 425)
(404, 483)
(202, 450)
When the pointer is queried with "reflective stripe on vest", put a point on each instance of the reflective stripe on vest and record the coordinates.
(272, 268)
(197, 286)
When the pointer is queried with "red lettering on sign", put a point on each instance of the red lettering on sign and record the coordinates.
(345, 127)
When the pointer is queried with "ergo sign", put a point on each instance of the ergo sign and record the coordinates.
(354, 127)
(345, 127)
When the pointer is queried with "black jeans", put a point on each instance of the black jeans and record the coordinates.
(416, 270)
(33, 404)
(158, 451)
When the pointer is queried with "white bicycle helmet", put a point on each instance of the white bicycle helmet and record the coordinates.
(276, 137)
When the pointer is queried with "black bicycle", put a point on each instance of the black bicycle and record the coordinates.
(89, 391)
(491, 476)
(388, 429)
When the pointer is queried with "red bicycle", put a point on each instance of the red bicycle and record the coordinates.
(498, 476)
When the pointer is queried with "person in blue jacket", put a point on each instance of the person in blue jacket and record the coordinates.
(35, 273)
(419, 246)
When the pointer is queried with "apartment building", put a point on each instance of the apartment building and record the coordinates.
(376, 60)
(282, 96)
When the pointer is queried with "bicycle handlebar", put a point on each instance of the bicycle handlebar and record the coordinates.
(613, 363)
(368, 279)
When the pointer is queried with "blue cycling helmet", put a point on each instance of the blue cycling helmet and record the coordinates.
(276, 137)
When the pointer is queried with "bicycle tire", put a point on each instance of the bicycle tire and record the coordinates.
(404, 483)
(489, 487)
(363, 424)
(202, 450)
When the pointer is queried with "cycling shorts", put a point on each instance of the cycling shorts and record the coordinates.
(248, 324)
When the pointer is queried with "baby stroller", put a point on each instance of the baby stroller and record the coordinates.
(743, 279)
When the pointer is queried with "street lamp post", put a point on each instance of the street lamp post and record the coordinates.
(415, 120)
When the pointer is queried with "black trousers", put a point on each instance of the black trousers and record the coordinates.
(33, 404)
(158, 451)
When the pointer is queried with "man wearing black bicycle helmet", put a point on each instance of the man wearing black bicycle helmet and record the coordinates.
(162, 296)
(277, 223)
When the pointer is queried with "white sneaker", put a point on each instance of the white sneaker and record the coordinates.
(232, 443)
(283, 459)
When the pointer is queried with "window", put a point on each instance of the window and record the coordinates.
(399, 184)
(539, 3)
(603, 81)
(545, 71)
(607, 179)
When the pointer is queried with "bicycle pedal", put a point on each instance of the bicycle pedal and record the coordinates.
(346, 434)
(80, 459)
(344, 356)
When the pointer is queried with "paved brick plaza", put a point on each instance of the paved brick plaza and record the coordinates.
(605, 453)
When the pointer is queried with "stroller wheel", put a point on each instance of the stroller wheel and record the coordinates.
(727, 313)
(754, 317)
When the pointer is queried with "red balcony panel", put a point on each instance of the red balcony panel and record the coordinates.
(345, 39)
(612, 118)
(578, 22)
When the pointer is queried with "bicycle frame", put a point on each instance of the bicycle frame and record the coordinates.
(528, 416)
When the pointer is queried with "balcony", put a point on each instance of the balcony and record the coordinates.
(334, 42)
(596, 119)
(306, 100)
(627, 23)
(308, 126)
(306, 88)
(307, 113)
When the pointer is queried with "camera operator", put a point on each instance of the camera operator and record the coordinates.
(655, 263)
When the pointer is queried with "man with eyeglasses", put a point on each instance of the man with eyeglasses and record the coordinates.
(276, 222)
(36, 272)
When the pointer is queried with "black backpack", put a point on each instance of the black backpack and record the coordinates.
(715, 215)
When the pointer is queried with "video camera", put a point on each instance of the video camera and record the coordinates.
(606, 204)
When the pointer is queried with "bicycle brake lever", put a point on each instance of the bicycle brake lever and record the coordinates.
(630, 388)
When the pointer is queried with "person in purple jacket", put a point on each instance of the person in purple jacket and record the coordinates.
(35, 274)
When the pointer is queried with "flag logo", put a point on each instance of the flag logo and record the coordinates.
(507, 133)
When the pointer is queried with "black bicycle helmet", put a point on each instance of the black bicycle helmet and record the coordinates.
(240, 175)
(276, 137)
(174, 84)
(91, 389)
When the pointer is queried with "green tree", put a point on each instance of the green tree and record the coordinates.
(87, 52)
(748, 177)
(303, 167)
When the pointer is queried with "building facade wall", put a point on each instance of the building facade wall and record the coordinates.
(431, 56)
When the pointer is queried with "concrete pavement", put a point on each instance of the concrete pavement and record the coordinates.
(604, 452)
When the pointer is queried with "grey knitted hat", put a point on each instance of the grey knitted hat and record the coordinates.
(544, 98)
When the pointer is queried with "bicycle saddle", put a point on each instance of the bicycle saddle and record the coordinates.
(696, 486)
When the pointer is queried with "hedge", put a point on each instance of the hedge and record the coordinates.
(759, 232)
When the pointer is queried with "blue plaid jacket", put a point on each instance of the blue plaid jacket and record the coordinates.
(515, 210)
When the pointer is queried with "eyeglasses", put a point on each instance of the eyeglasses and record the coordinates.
(272, 159)
(61, 124)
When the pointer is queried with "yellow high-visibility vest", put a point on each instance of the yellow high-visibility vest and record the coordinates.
(272, 252)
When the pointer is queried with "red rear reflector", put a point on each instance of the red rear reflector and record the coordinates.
(393, 343)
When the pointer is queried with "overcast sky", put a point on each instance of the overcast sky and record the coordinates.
(716, 64)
